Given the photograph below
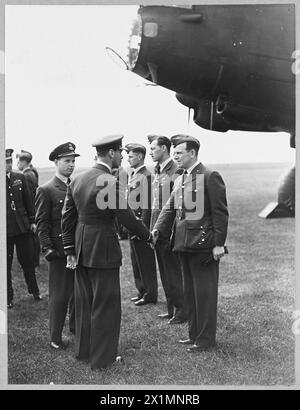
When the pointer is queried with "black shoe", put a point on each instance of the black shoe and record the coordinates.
(197, 349)
(10, 305)
(119, 359)
(186, 342)
(136, 298)
(176, 321)
(143, 302)
(164, 316)
(59, 345)
(37, 297)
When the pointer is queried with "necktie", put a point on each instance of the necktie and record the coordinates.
(68, 181)
(157, 169)
(131, 176)
(184, 175)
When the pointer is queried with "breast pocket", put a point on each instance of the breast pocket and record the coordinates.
(198, 236)
(17, 193)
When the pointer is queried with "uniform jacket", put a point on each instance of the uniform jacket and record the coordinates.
(90, 232)
(49, 203)
(210, 229)
(19, 205)
(162, 186)
(141, 183)
(32, 179)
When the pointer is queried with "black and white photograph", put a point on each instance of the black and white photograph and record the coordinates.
(149, 235)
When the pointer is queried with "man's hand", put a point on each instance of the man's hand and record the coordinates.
(51, 254)
(33, 228)
(218, 252)
(71, 262)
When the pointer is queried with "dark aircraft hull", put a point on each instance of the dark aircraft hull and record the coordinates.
(231, 64)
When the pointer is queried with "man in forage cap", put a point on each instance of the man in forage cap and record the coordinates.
(199, 235)
(165, 173)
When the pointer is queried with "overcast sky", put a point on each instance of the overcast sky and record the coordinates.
(61, 86)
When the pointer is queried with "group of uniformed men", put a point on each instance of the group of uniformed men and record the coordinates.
(75, 220)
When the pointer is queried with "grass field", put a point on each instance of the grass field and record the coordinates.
(256, 297)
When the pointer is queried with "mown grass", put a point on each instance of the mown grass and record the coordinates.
(256, 297)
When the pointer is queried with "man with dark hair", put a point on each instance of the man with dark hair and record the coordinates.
(168, 261)
(94, 198)
(49, 203)
(20, 214)
(139, 198)
(25, 166)
(199, 236)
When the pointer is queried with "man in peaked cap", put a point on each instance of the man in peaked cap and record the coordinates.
(199, 236)
(20, 215)
(94, 199)
(49, 203)
(25, 166)
(168, 261)
(139, 197)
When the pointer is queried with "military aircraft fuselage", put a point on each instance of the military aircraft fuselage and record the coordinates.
(231, 64)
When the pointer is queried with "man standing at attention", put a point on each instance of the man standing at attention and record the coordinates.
(94, 198)
(20, 217)
(168, 261)
(142, 255)
(32, 177)
(49, 203)
(199, 236)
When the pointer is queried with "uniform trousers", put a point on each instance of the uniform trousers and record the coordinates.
(171, 279)
(61, 296)
(98, 315)
(25, 253)
(37, 250)
(200, 285)
(144, 269)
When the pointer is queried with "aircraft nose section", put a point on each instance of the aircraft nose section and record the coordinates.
(129, 61)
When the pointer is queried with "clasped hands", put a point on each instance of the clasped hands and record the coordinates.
(151, 241)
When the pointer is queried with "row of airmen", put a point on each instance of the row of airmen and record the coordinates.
(97, 303)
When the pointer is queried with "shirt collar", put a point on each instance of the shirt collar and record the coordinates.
(136, 170)
(62, 178)
(104, 164)
(25, 169)
(164, 164)
(192, 167)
